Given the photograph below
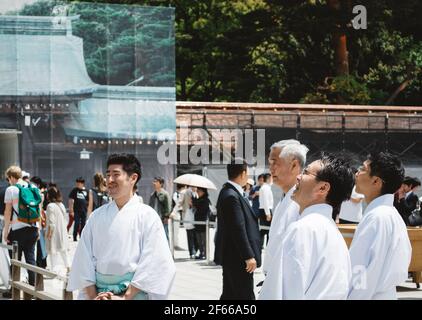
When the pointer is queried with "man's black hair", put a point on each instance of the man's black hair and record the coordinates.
(389, 169)
(266, 176)
(339, 174)
(236, 167)
(129, 162)
(80, 179)
(37, 180)
(160, 180)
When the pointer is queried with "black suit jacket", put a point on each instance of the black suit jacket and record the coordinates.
(238, 238)
(406, 206)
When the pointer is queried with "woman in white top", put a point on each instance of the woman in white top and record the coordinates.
(351, 210)
(57, 241)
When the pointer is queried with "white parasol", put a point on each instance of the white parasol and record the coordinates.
(195, 180)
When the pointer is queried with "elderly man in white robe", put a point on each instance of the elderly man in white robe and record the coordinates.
(287, 159)
(380, 251)
(123, 252)
(313, 262)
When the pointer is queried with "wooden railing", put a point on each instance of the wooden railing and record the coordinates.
(37, 291)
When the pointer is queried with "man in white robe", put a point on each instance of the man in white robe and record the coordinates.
(123, 252)
(287, 159)
(312, 261)
(380, 251)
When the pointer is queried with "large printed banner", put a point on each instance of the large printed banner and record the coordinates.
(79, 81)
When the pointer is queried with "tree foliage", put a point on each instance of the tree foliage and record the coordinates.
(270, 51)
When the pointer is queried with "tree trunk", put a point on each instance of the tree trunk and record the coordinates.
(400, 88)
(339, 36)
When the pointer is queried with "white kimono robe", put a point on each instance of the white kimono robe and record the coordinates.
(286, 212)
(116, 242)
(380, 252)
(312, 262)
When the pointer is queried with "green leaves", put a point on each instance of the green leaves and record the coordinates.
(255, 50)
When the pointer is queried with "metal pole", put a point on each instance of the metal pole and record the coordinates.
(207, 240)
(172, 238)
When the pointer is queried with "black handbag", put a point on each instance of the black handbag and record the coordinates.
(415, 219)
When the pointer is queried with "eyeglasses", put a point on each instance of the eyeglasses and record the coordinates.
(305, 172)
(362, 169)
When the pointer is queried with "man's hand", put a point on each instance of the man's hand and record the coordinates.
(268, 217)
(250, 265)
(104, 296)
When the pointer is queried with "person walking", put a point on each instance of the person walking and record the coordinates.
(160, 202)
(78, 206)
(57, 240)
(238, 241)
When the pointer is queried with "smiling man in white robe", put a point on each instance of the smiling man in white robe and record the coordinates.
(287, 159)
(123, 252)
(312, 261)
(380, 251)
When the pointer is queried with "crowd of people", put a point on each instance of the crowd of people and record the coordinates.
(305, 254)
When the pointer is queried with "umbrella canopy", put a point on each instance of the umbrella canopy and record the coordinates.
(195, 180)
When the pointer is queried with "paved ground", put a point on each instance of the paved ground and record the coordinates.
(202, 280)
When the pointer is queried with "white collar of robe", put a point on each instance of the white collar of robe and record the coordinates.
(384, 200)
(322, 208)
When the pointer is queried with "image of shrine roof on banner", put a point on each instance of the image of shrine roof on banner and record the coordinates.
(41, 61)
(126, 113)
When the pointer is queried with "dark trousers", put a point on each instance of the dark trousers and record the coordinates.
(80, 220)
(263, 222)
(192, 246)
(42, 263)
(26, 238)
(200, 236)
(237, 283)
(263, 233)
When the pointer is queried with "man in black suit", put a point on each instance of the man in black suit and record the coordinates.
(406, 200)
(238, 241)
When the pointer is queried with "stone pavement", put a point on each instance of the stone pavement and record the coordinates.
(202, 280)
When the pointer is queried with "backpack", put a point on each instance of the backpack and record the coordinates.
(29, 204)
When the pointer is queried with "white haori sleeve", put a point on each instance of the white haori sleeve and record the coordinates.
(156, 269)
(82, 273)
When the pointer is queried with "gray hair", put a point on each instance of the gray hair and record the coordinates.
(292, 149)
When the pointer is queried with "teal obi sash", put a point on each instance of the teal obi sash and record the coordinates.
(117, 284)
